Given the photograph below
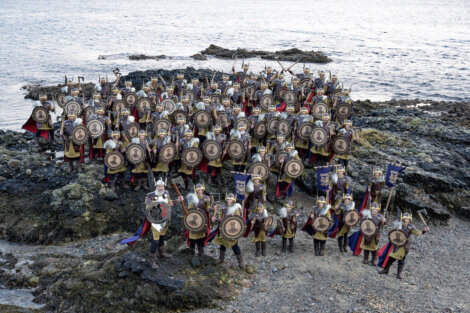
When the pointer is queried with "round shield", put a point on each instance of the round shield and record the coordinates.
(162, 123)
(280, 93)
(344, 110)
(158, 212)
(243, 122)
(267, 223)
(191, 95)
(320, 108)
(321, 223)
(88, 112)
(279, 157)
(319, 136)
(211, 149)
(294, 168)
(144, 105)
(202, 118)
(289, 97)
(280, 227)
(250, 91)
(260, 130)
(232, 227)
(130, 98)
(191, 157)
(351, 218)
(79, 135)
(266, 101)
(168, 152)
(222, 119)
(73, 106)
(244, 80)
(133, 129)
(368, 227)
(271, 125)
(95, 128)
(260, 169)
(236, 149)
(228, 90)
(119, 105)
(305, 82)
(283, 127)
(177, 114)
(216, 99)
(40, 114)
(61, 100)
(114, 160)
(169, 105)
(341, 144)
(398, 237)
(135, 153)
(195, 220)
(305, 130)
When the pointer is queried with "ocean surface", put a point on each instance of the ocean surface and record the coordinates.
(383, 49)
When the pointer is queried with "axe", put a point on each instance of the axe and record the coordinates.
(179, 181)
(420, 214)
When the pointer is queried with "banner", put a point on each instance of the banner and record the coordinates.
(392, 174)
(240, 180)
(323, 178)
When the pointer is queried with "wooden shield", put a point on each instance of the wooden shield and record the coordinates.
(280, 93)
(202, 118)
(79, 135)
(216, 99)
(236, 149)
(191, 95)
(319, 136)
(95, 128)
(211, 149)
(244, 80)
(232, 227)
(191, 157)
(73, 106)
(250, 91)
(283, 127)
(119, 105)
(280, 227)
(320, 108)
(260, 169)
(305, 82)
(135, 153)
(294, 168)
(289, 97)
(398, 237)
(195, 220)
(321, 223)
(133, 129)
(114, 160)
(169, 105)
(260, 130)
(61, 100)
(130, 98)
(40, 114)
(168, 152)
(266, 101)
(344, 110)
(267, 223)
(162, 123)
(368, 227)
(144, 105)
(341, 144)
(180, 113)
(351, 218)
(280, 157)
(305, 130)
(158, 212)
(222, 119)
(243, 122)
(88, 112)
(271, 125)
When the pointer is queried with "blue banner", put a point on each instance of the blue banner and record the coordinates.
(323, 178)
(240, 180)
(392, 174)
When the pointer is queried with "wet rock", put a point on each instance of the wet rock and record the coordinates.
(139, 57)
(195, 262)
(199, 57)
(14, 163)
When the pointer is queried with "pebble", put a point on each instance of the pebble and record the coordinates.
(28, 172)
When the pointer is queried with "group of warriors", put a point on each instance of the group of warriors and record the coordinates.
(267, 125)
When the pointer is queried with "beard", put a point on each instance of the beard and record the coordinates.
(159, 192)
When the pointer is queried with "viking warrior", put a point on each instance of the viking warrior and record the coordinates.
(180, 84)
(237, 96)
(322, 153)
(320, 82)
(209, 108)
(302, 145)
(77, 98)
(123, 125)
(279, 83)
(177, 133)
(185, 143)
(259, 94)
(341, 209)
(104, 88)
(400, 253)
(128, 87)
(46, 126)
(96, 102)
(254, 119)
(351, 134)
(290, 117)
(230, 208)
(272, 113)
(288, 225)
(169, 94)
(196, 89)
(215, 166)
(240, 164)
(213, 90)
(306, 74)
(236, 115)
(343, 97)
(262, 156)
(319, 238)
(225, 82)
(279, 145)
(244, 72)
(258, 221)
(255, 192)
(96, 146)
(340, 184)
(155, 87)
(140, 171)
(71, 150)
(112, 99)
(285, 180)
(159, 114)
(370, 243)
(160, 141)
(198, 200)
(298, 92)
(376, 184)
(269, 73)
(69, 85)
(115, 144)
(332, 86)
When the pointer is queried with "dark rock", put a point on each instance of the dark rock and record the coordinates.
(199, 57)
(139, 57)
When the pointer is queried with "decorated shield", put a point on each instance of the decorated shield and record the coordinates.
(397, 237)
(168, 152)
(283, 127)
(260, 130)
(40, 114)
(211, 149)
(169, 105)
(79, 135)
(202, 119)
(61, 100)
(368, 227)
(305, 82)
(341, 144)
(294, 168)
(266, 101)
(191, 157)
(119, 105)
(133, 129)
(216, 99)
(195, 220)
(88, 112)
(320, 108)
(177, 114)
(232, 227)
(289, 97)
(267, 223)
(144, 105)
(236, 149)
(279, 157)
(344, 110)
(351, 218)
(95, 128)
(319, 136)
(163, 123)
(73, 106)
(244, 80)
(260, 169)
(135, 153)
(191, 95)
(222, 119)
(250, 91)
(280, 227)
(271, 125)
(130, 98)
(321, 223)
(158, 212)
(114, 160)
(243, 122)
(280, 92)
(305, 130)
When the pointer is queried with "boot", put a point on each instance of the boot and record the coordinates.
(340, 244)
(70, 170)
(345, 243)
(291, 245)
(152, 261)
(284, 241)
(138, 185)
(221, 257)
(145, 184)
(263, 248)
(366, 257)
(192, 249)
(316, 247)
(123, 184)
(112, 185)
(322, 248)
(218, 180)
(200, 249)
(386, 269)
(79, 166)
(400, 270)
(163, 254)
(258, 246)
(241, 263)
(373, 262)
